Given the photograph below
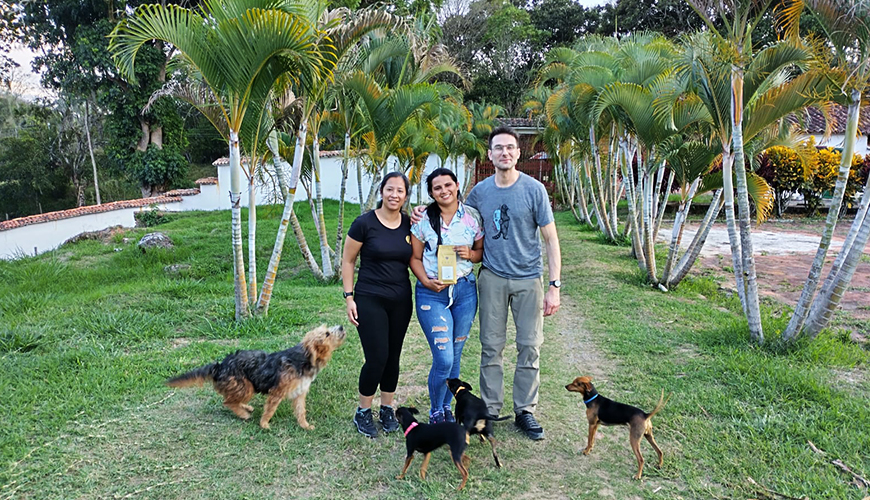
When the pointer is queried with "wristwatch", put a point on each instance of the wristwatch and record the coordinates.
(348, 294)
(556, 283)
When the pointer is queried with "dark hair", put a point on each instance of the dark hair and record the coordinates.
(384, 183)
(504, 129)
(433, 211)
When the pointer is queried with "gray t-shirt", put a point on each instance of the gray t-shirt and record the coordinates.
(511, 218)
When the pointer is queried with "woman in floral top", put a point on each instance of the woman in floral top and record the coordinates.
(445, 311)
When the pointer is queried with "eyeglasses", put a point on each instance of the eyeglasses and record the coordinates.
(510, 148)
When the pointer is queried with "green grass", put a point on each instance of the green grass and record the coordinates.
(88, 334)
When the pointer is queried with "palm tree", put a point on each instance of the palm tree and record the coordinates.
(737, 19)
(746, 93)
(385, 112)
(239, 48)
(484, 118)
(847, 26)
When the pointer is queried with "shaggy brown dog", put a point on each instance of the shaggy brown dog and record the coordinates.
(600, 410)
(284, 374)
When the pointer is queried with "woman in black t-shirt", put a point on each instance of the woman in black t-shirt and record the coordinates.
(380, 304)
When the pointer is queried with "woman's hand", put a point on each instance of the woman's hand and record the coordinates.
(351, 311)
(435, 285)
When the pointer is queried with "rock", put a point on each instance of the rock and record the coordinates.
(177, 269)
(155, 240)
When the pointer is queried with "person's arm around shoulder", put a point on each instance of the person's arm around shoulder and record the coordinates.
(348, 263)
(554, 266)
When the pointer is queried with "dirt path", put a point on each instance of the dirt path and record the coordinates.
(784, 252)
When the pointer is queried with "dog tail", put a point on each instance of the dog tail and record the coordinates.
(195, 377)
(660, 405)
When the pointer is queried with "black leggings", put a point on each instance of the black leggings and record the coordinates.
(382, 327)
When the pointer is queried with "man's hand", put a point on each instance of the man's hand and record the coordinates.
(551, 301)
(417, 213)
(462, 251)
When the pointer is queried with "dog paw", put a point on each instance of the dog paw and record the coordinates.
(400, 476)
(248, 408)
(265, 425)
(587, 451)
(307, 427)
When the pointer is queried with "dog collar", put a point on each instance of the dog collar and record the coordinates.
(413, 424)
(459, 389)
(587, 401)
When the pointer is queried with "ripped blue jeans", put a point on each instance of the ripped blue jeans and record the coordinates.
(446, 330)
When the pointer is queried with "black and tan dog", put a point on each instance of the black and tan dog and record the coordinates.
(472, 414)
(600, 410)
(283, 374)
(426, 438)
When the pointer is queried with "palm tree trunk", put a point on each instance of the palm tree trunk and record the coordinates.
(663, 205)
(821, 315)
(750, 281)
(325, 259)
(240, 287)
(688, 259)
(647, 207)
(359, 168)
(600, 204)
(824, 305)
(345, 166)
(469, 174)
(91, 150)
(633, 217)
(677, 230)
(733, 237)
(307, 256)
(252, 235)
(795, 325)
(272, 269)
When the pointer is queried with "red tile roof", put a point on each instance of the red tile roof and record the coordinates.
(815, 120)
(182, 192)
(206, 180)
(92, 209)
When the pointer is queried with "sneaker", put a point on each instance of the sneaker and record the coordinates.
(436, 417)
(530, 427)
(388, 419)
(448, 415)
(364, 422)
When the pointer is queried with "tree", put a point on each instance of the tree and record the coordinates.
(669, 17)
(240, 48)
(847, 26)
(496, 43)
(561, 21)
(75, 61)
(750, 90)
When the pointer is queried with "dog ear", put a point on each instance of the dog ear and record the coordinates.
(468, 386)
(413, 411)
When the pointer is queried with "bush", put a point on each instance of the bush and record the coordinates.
(152, 217)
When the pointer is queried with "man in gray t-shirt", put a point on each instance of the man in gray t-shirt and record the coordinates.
(515, 209)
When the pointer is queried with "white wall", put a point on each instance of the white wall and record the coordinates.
(330, 177)
(837, 140)
(34, 239)
(37, 238)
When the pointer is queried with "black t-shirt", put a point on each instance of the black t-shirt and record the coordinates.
(384, 256)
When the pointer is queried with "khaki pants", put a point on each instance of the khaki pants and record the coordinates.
(525, 298)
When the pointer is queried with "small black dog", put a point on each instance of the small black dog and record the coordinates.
(425, 438)
(472, 414)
